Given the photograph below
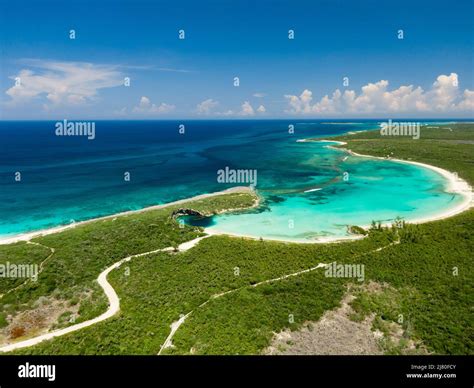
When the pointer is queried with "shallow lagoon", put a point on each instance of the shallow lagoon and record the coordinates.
(374, 190)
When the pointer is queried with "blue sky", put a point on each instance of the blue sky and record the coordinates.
(429, 73)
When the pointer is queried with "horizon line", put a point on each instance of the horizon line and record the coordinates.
(252, 119)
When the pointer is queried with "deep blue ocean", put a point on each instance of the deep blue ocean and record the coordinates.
(66, 179)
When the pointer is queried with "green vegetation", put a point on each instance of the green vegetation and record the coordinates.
(387, 303)
(434, 299)
(81, 253)
(429, 274)
(20, 254)
(451, 148)
(161, 287)
(354, 229)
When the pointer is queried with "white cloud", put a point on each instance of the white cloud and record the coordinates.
(444, 92)
(62, 83)
(247, 109)
(146, 106)
(468, 101)
(165, 108)
(259, 95)
(443, 96)
(226, 113)
(301, 104)
(206, 106)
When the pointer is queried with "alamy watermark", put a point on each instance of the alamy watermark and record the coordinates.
(335, 270)
(15, 271)
(75, 128)
(230, 175)
(30, 371)
(395, 128)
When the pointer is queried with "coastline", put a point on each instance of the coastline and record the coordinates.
(44, 232)
(320, 240)
(455, 184)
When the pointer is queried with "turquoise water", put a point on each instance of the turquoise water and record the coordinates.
(74, 179)
(373, 190)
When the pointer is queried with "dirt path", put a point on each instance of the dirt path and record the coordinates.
(39, 271)
(177, 324)
(114, 301)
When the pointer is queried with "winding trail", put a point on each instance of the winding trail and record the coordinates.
(114, 301)
(177, 324)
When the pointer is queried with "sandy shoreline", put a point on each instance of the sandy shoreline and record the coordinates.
(455, 184)
(319, 240)
(43, 232)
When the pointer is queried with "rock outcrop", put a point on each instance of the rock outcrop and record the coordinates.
(186, 212)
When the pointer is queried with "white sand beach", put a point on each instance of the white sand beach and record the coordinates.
(318, 240)
(44, 232)
(455, 184)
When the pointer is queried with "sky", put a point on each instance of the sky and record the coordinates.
(346, 59)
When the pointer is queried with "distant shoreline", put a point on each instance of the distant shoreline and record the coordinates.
(455, 185)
